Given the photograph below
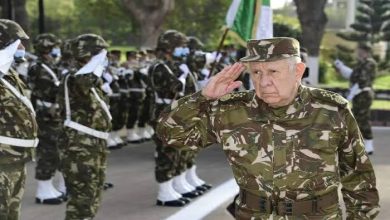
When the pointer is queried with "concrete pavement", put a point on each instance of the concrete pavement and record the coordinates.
(131, 169)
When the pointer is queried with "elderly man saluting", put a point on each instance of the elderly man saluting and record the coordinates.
(290, 147)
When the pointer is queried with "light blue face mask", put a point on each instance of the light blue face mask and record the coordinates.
(181, 51)
(20, 53)
(55, 52)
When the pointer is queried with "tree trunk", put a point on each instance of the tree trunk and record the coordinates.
(149, 15)
(21, 16)
(313, 19)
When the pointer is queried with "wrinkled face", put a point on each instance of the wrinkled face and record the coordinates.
(276, 83)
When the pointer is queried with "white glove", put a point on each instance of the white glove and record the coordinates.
(108, 77)
(205, 72)
(353, 91)
(106, 88)
(344, 70)
(144, 71)
(184, 68)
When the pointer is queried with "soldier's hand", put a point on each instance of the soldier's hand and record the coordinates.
(223, 82)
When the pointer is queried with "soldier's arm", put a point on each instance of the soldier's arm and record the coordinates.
(85, 82)
(188, 123)
(365, 76)
(357, 175)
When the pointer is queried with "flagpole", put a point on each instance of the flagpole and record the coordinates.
(219, 51)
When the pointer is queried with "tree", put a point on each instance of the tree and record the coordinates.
(313, 19)
(372, 22)
(201, 18)
(150, 16)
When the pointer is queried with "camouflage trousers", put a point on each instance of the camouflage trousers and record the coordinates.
(170, 161)
(12, 180)
(186, 160)
(84, 165)
(119, 110)
(47, 150)
(361, 110)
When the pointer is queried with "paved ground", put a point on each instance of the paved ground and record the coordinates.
(133, 197)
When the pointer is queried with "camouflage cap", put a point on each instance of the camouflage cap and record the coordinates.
(272, 49)
(194, 43)
(10, 31)
(171, 39)
(365, 46)
(45, 42)
(87, 45)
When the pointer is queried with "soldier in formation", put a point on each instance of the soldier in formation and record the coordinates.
(290, 147)
(44, 80)
(18, 128)
(87, 122)
(361, 92)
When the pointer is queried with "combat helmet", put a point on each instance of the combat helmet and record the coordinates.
(171, 39)
(87, 45)
(10, 31)
(43, 43)
(194, 43)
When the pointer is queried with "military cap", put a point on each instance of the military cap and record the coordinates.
(272, 49)
(44, 42)
(10, 31)
(194, 43)
(171, 39)
(87, 45)
(131, 53)
(365, 46)
(116, 52)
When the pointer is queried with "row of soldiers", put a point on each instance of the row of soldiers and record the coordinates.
(71, 83)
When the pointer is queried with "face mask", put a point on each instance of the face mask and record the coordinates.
(55, 52)
(181, 51)
(20, 53)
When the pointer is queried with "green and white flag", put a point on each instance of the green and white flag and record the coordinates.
(250, 19)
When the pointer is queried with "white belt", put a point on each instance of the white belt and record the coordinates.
(163, 101)
(137, 90)
(47, 104)
(86, 130)
(115, 95)
(367, 89)
(18, 142)
(124, 90)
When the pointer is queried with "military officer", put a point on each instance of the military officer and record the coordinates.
(44, 80)
(290, 147)
(18, 128)
(361, 92)
(87, 121)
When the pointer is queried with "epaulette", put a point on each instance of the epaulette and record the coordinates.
(236, 96)
(329, 97)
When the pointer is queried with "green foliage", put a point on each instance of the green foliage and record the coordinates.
(283, 29)
(201, 18)
(372, 21)
(69, 18)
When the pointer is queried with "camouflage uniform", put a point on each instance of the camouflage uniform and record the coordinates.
(288, 161)
(363, 75)
(18, 129)
(43, 80)
(87, 122)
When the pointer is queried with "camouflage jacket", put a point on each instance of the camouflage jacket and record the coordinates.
(16, 121)
(84, 106)
(164, 81)
(297, 152)
(364, 73)
(42, 83)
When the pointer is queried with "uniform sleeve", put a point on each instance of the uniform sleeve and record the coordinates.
(85, 82)
(367, 73)
(187, 123)
(357, 175)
